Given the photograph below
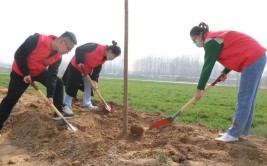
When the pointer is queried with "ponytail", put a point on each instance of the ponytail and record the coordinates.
(196, 30)
(114, 48)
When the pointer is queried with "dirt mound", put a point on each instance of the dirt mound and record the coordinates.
(137, 130)
(31, 130)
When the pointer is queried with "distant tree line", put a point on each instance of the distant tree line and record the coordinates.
(184, 68)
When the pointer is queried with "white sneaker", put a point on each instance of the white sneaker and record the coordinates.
(221, 134)
(226, 138)
(242, 136)
(67, 110)
(90, 108)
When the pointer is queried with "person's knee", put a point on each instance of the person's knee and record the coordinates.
(59, 83)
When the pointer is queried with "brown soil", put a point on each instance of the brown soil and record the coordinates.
(137, 130)
(31, 137)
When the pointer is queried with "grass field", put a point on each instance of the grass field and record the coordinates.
(215, 110)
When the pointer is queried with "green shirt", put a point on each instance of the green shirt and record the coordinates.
(212, 50)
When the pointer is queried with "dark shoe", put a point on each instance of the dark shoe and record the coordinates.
(66, 116)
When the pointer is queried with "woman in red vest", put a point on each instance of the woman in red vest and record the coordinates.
(37, 59)
(241, 53)
(90, 56)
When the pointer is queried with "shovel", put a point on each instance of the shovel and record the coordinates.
(106, 106)
(169, 120)
(70, 127)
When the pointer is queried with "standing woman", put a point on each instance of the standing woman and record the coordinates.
(241, 53)
(91, 56)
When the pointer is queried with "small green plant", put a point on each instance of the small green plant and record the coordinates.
(162, 157)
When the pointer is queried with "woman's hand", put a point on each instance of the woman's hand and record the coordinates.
(81, 65)
(198, 94)
(95, 84)
(49, 101)
(224, 77)
(27, 79)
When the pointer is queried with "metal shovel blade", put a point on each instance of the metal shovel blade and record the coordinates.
(71, 128)
(107, 107)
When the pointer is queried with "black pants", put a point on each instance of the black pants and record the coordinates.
(72, 79)
(17, 87)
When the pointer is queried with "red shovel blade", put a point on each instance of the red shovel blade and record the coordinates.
(160, 123)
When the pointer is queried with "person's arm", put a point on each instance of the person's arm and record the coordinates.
(212, 51)
(51, 80)
(82, 50)
(95, 74)
(23, 51)
(226, 71)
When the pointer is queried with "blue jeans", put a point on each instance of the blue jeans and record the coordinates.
(248, 89)
(86, 94)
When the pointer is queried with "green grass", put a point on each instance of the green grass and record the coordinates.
(215, 110)
(4, 80)
(162, 157)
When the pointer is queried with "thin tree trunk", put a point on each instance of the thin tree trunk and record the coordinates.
(125, 103)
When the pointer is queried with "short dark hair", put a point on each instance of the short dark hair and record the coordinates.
(69, 36)
(114, 48)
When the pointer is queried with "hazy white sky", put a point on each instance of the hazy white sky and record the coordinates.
(156, 27)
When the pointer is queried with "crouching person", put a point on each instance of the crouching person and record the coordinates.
(38, 59)
(89, 56)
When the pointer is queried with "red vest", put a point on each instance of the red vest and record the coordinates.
(239, 50)
(38, 59)
(91, 60)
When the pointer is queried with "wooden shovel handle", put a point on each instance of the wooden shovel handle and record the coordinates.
(204, 91)
(45, 98)
(93, 85)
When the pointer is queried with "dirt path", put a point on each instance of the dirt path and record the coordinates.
(31, 137)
